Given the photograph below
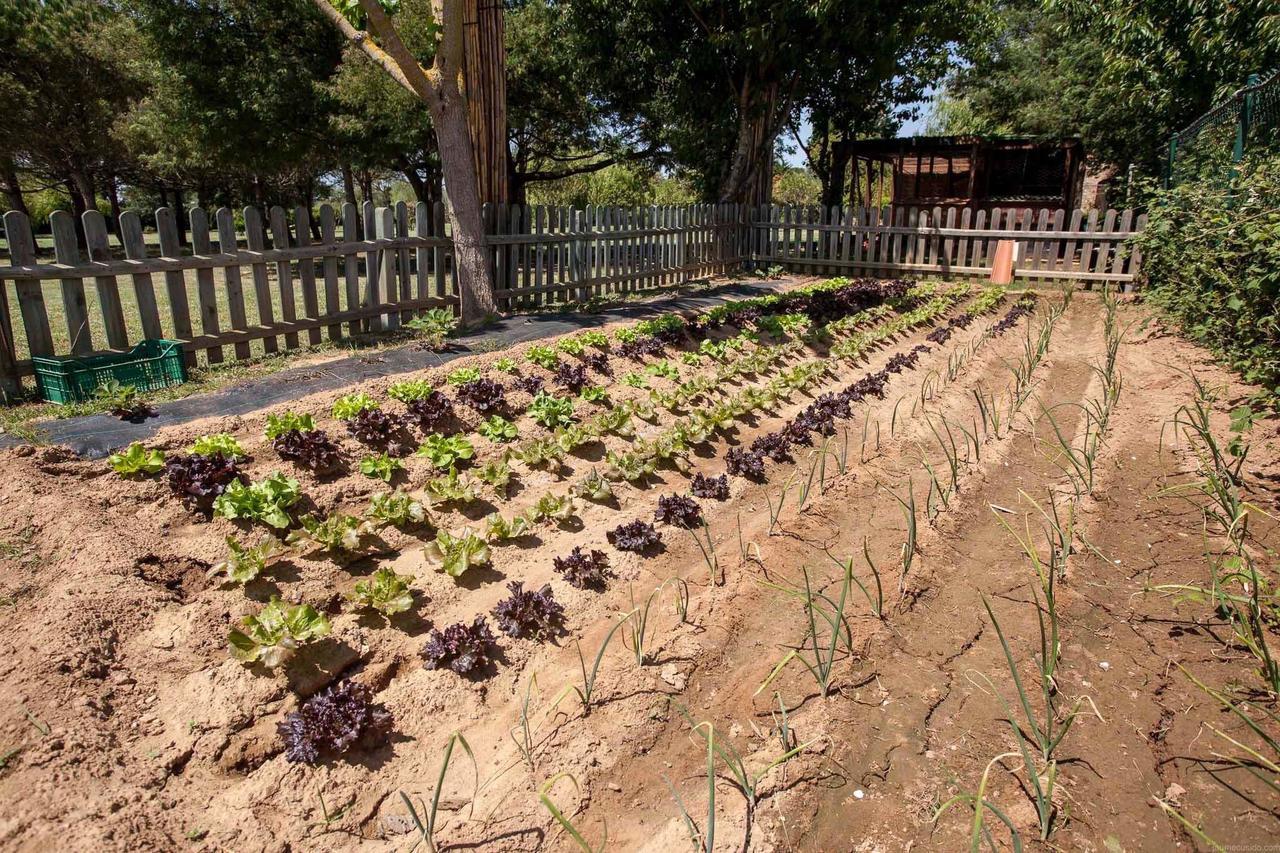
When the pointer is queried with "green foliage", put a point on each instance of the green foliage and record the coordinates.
(506, 364)
(453, 554)
(384, 591)
(338, 534)
(543, 356)
(395, 508)
(452, 488)
(498, 428)
(496, 474)
(380, 466)
(410, 390)
(551, 411)
(220, 444)
(276, 632)
(445, 451)
(245, 564)
(462, 375)
(1211, 256)
(267, 501)
(278, 425)
(345, 408)
(434, 326)
(594, 394)
(136, 460)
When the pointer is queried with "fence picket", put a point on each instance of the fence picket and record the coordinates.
(284, 273)
(307, 272)
(227, 245)
(66, 249)
(328, 227)
(206, 293)
(351, 265)
(95, 235)
(256, 241)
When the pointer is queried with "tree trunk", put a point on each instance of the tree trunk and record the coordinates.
(348, 183)
(12, 188)
(750, 177)
(485, 70)
(113, 196)
(366, 185)
(421, 191)
(470, 260)
(180, 215)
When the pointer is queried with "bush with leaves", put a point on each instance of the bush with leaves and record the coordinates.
(339, 534)
(136, 460)
(383, 591)
(332, 722)
(267, 500)
(463, 648)
(1210, 256)
(526, 613)
(271, 636)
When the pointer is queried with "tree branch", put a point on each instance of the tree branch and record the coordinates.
(361, 40)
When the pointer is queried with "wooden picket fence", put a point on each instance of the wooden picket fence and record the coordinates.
(1050, 245)
(247, 284)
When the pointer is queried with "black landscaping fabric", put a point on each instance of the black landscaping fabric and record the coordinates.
(95, 436)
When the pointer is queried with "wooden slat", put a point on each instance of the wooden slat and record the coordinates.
(31, 297)
(206, 294)
(256, 240)
(422, 255)
(108, 288)
(175, 280)
(372, 268)
(284, 273)
(351, 265)
(1135, 257)
(332, 303)
(303, 325)
(225, 222)
(307, 272)
(66, 248)
(385, 223)
(402, 259)
(439, 256)
(1069, 252)
(135, 248)
(1117, 262)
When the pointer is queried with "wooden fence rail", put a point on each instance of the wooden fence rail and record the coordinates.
(251, 282)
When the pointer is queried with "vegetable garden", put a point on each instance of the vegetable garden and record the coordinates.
(859, 562)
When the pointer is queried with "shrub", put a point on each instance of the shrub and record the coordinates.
(483, 395)
(445, 451)
(434, 325)
(1210, 254)
(333, 721)
(460, 647)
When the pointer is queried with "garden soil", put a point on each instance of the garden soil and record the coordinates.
(126, 725)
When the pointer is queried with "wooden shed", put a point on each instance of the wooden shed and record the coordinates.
(959, 171)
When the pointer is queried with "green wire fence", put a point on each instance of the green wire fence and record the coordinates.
(1211, 145)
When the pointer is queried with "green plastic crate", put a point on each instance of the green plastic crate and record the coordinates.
(150, 365)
